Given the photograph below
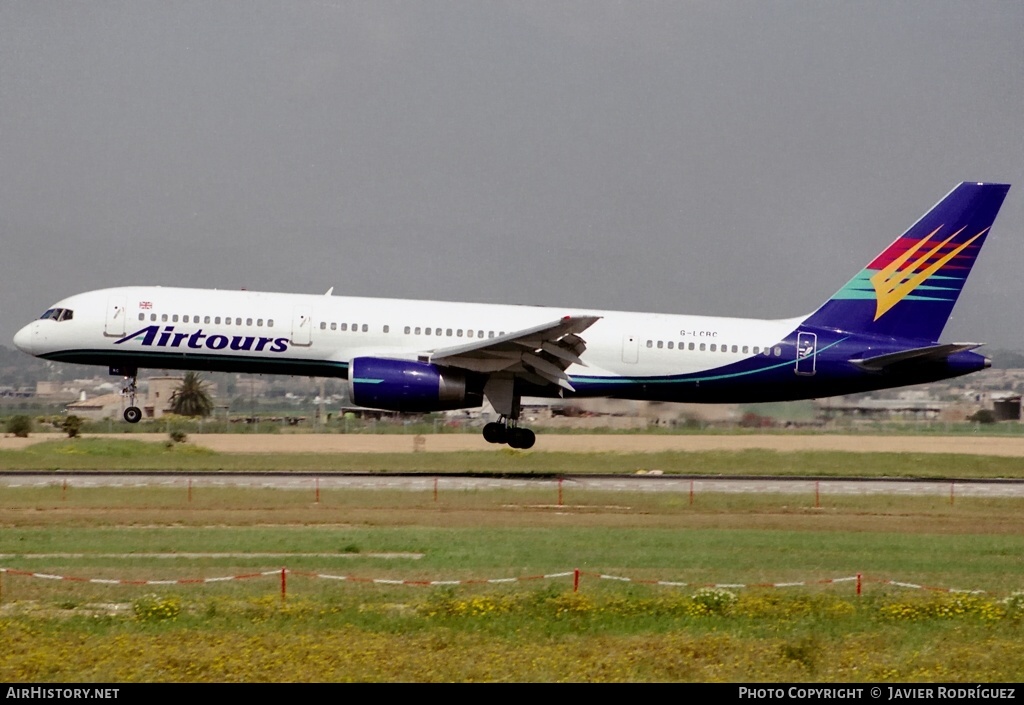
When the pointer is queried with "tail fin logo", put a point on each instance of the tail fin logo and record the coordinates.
(894, 282)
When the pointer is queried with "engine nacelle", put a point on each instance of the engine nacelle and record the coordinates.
(407, 385)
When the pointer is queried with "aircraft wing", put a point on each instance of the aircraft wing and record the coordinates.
(540, 354)
(925, 354)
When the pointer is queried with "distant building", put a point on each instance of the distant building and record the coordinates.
(155, 403)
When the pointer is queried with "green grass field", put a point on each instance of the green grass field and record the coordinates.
(529, 630)
(128, 455)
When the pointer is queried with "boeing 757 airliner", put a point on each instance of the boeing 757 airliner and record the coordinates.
(880, 330)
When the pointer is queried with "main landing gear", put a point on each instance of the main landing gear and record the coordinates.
(507, 431)
(500, 391)
(132, 414)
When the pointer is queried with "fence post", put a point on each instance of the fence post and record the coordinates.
(859, 580)
(576, 580)
(284, 582)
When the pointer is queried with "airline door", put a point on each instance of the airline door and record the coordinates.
(117, 312)
(806, 353)
(630, 349)
(302, 326)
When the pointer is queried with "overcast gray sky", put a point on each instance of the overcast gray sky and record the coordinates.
(722, 158)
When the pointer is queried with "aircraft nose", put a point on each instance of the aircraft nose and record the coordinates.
(25, 339)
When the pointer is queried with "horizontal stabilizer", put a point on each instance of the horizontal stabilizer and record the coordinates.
(929, 353)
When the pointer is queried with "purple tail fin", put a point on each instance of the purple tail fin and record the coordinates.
(909, 290)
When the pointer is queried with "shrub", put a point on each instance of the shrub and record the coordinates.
(153, 608)
(20, 426)
(71, 426)
(713, 600)
(985, 416)
(178, 436)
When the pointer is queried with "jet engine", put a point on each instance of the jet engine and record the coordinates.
(408, 385)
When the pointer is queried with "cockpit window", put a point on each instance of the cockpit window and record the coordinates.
(58, 314)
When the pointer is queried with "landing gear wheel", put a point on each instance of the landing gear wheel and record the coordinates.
(522, 438)
(133, 414)
(495, 433)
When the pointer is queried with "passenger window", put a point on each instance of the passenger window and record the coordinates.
(713, 347)
(142, 316)
(418, 329)
(217, 320)
(746, 349)
(238, 321)
(437, 331)
(671, 345)
(344, 326)
(735, 349)
(323, 325)
(259, 322)
(426, 331)
(702, 347)
(152, 316)
(448, 332)
(366, 327)
(206, 319)
(387, 329)
(458, 333)
(661, 344)
(174, 318)
(755, 349)
(270, 323)
(334, 326)
(650, 343)
(407, 330)
(248, 321)
(690, 346)
(778, 351)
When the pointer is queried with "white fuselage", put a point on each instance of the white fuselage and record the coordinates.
(332, 330)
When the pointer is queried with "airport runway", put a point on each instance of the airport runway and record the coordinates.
(608, 483)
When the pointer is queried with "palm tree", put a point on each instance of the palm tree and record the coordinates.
(191, 398)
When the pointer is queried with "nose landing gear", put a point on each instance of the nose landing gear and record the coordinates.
(129, 388)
